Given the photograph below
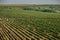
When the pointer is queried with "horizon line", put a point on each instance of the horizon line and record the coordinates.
(24, 4)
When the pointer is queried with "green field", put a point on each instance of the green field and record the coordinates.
(30, 22)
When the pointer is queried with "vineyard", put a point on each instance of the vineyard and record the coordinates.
(29, 23)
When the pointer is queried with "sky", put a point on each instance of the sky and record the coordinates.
(29, 1)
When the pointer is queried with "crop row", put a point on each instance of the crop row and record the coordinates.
(12, 31)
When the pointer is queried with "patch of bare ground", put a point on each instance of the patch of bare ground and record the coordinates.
(0, 29)
(0, 19)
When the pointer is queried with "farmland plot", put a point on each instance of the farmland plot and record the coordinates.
(12, 31)
(29, 23)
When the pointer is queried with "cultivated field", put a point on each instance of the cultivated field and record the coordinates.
(34, 22)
